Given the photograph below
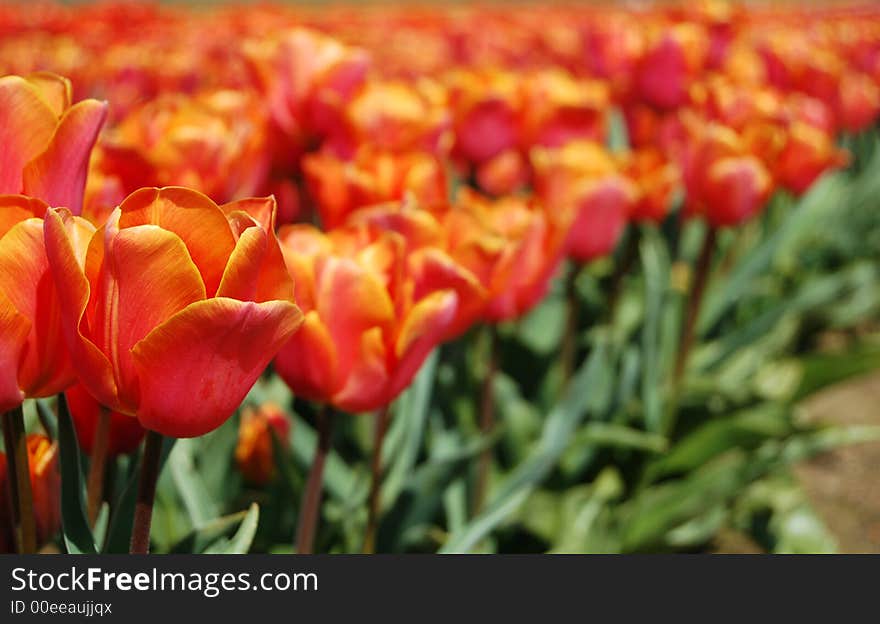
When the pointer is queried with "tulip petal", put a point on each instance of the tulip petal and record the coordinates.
(308, 362)
(44, 368)
(350, 300)
(147, 278)
(197, 367)
(197, 220)
(26, 126)
(66, 262)
(58, 175)
(423, 329)
(14, 329)
(16, 208)
(366, 387)
(54, 89)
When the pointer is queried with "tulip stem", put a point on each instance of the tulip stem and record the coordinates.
(311, 499)
(20, 480)
(622, 268)
(143, 511)
(487, 420)
(570, 337)
(382, 417)
(97, 465)
(695, 300)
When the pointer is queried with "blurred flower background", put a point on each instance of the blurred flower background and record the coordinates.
(465, 277)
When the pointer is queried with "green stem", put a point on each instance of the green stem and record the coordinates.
(143, 511)
(695, 300)
(311, 500)
(20, 480)
(97, 465)
(382, 417)
(487, 421)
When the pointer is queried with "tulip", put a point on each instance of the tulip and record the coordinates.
(510, 244)
(46, 140)
(33, 357)
(45, 481)
(177, 308)
(215, 141)
(807, 154)
(339, 187)
(365, 332)
(254, 455)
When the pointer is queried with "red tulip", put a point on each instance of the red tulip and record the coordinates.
(34, 360)
(177, 308)
(45, 488)
(46, 140)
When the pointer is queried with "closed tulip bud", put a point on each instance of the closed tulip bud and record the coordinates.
(254, 453)
(177, 307)
(735, 189)
(46, 139)
(45, 488)
(34, 359)
(124, 435)
(859, 101)
(669, 66)
(602, 209)
(486, 108)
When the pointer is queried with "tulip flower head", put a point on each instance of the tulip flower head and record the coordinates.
(45, 488)
(46, 139)
(368, 327)
(34, 359)
(177, 306)
(254, 453)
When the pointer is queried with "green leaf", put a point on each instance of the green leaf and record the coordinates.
(77, 535)
(744, 429)
(412, 407)
(198, 502)
(240, 543)
(204, 537)
(557, 434)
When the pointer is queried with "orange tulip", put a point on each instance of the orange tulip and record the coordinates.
(367, 327)
(254, 454)
(215, 142)
(34, 360)
(585, 186)
(46, 140)
(807, 154)
(510, 244)
(339, 187)
(45, 487)
(124, 435)
(395, 116)
(177, 307)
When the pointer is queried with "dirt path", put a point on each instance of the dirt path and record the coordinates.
(844, 485)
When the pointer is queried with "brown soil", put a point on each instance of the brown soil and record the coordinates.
(844, 485)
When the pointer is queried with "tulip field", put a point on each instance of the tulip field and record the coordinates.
(431, 278)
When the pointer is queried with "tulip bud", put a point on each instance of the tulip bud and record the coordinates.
(254, 454)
